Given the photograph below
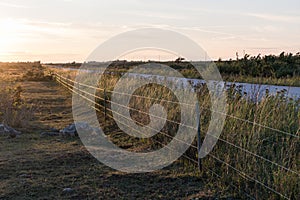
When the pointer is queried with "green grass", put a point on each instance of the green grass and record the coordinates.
(34, 167)
(277, 112)
(51, 164)
(288, 81)
(40, 168)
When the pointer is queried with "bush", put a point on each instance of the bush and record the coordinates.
(36, 73)
(13, 111)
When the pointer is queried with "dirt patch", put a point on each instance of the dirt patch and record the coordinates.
(53, 103)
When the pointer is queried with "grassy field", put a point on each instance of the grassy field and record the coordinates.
(34, 167)
(272, 70)
(287, 81)
(243, 148)
(265, 151)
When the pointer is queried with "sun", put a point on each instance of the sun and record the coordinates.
(8, 35)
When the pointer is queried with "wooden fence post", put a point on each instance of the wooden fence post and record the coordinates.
(105, 110)
(198, 136)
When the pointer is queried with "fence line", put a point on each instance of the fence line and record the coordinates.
(243, 174)
(194, 128)
(225, 141)
(168, 101)
(69, 87)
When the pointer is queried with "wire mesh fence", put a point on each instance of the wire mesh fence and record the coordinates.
(264, 175)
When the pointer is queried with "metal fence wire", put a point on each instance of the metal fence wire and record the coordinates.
(72, 86)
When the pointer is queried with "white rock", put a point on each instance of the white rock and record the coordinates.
(68, 190)
(4, 129)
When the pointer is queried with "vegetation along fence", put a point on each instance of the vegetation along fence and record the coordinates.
(257, 153)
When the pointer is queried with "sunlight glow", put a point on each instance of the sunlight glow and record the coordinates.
(8, 35)
(32, 31)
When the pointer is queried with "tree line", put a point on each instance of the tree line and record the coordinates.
(283, 65)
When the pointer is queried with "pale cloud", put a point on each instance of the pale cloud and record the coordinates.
(6, 4)
(21, 39)
(158, 15)
(268, 29)
(69, 30)
(21, 29)
(276, 18)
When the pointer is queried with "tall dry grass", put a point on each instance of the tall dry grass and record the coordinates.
(13, 110)
(261, 141)
(251, 148)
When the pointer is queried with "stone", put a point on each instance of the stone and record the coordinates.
(43, 134)
(51, 132)
(69, 130)
(7, 130)
(67, 190)
(25, 176)
(54, 130)
(72, 131)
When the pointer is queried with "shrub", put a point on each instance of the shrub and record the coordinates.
(13, 110)
(35, 73)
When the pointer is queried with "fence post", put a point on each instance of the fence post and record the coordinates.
(51, 75)
(198, 136)
(105, 104)
(78, 88)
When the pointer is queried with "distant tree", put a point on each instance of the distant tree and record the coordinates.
(279, 66)
(179, 59)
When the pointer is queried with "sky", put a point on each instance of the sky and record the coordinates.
(69, 30)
